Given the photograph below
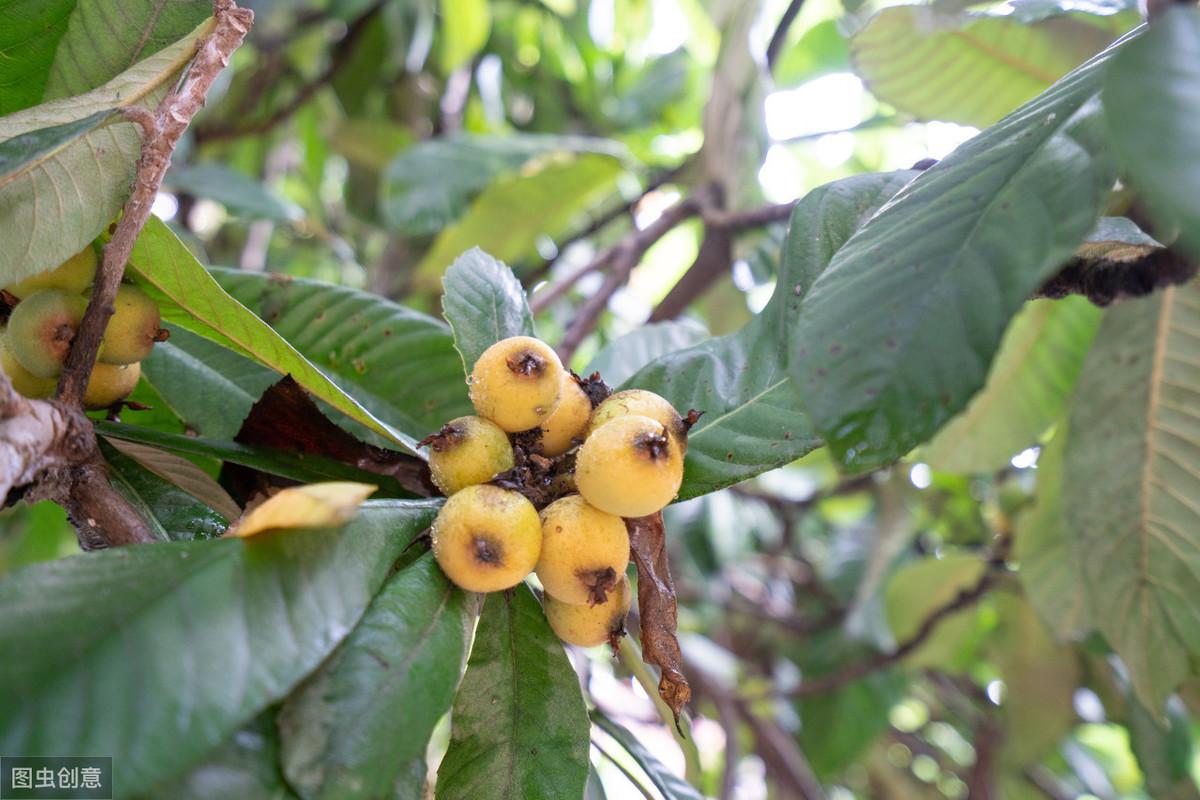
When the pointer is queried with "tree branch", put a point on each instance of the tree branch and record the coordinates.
(595, 226)
(48, 449)
(964, 599)
(779, 37)
(623, 257)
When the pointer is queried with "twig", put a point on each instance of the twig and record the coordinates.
(782, 756)
(623, 257)
(48, 448)
(160, 135)
(779, 37)
(730, 717)
(964, 599)
(595, 226)
(753, 218)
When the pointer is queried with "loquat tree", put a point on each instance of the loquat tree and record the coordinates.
(587, 399)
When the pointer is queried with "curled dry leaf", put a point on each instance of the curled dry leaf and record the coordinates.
(317, 505)
(657, 609)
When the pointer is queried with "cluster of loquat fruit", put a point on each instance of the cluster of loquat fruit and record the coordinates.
(46, 317)
(593, 466)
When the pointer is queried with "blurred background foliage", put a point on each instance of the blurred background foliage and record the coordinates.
(370, 142)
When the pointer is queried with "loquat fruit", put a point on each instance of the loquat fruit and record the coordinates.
(568, 421)
(590, 626)
(584, 551)
(647, 404)
(629, 466)
(467, 451)
(74, 275)
(486, 538)
(110, 383)
(41, 329)
(516, 383)
(133, 329)
(24, 381)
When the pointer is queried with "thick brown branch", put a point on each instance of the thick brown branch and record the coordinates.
(48, 452)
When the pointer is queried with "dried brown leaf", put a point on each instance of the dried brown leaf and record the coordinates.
(657, 609)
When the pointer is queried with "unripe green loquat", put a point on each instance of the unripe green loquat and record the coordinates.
(591, 626)
(647, 404)
(486, 538)
(110, 383)
(629, 466)
(74, 275)
(468, 451)
(568, 421)
(133, 329)
(24, 381)
(516, 383)
(41, 329)
(584, 551)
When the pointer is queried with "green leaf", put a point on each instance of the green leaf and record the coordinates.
(429, 185)
(1050, 566)
(305, 468)
(106, 37)
(837, 727)
(351, 728)
(519, 726)
(917, 590)
(484, 303)
(1027, 388)
(515, 211)
(27, 151)
(31, 32)
(465, 28)
(247, 765)
(1040, 678)
(209, 387)
(157, 654)
(1164, 750)
(822, 49)
(752, 419)
(371, 347)
(667, 782)
(1132, 483)
(174, 514)
(241, 195)
(973, 68)
(32, 533)
(1152, 104)
(621, 358)
(898, 333)
(191, 297)
(86, 169)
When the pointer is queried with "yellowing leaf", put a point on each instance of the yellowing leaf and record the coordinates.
(318, 505)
